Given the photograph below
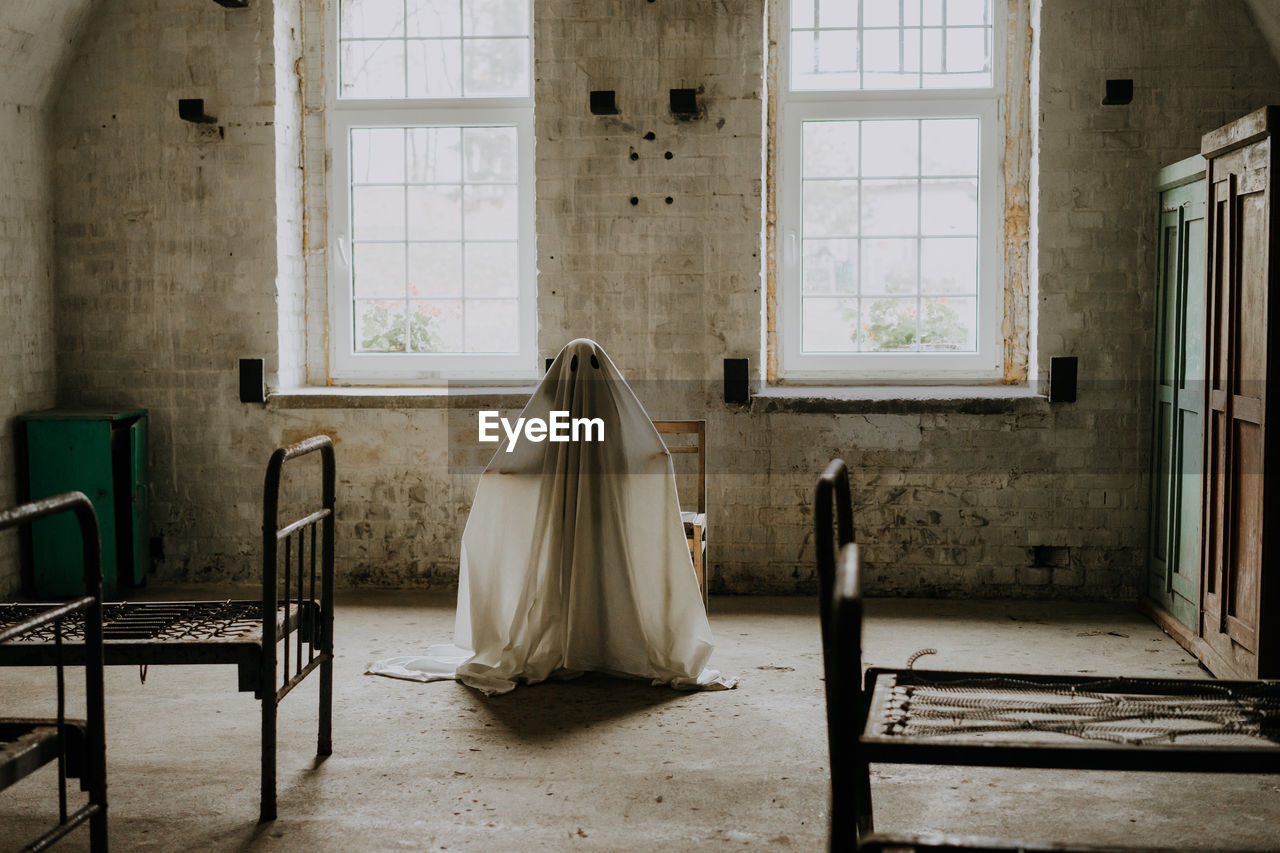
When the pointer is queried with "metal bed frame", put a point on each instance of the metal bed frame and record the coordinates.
(78, 746)
(996, 719)
(244, 633)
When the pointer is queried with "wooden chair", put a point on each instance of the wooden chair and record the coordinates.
(998, 719)
(695, 521)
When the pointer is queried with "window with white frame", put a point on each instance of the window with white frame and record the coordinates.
(889, 191)
(430, 116)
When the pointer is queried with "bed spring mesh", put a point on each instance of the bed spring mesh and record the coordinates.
(1106, 710)
(195, 620)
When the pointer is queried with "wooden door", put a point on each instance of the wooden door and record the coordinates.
(1176, 483)
(1236, 510)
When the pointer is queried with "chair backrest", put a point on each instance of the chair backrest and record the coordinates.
(697, 430)
(840, 607)
(832, 494)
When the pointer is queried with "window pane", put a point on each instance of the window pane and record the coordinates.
(888, 46)
(435, 213)
(882, 50)
(949, 324)
(966, 12)
(830, 266)
(932, 59)
(830, 208)
(949, 147)
(904, 73)
(380, 325)
(436, 326)
(837, 51)
(949, 265)
(949, 207)
(434, 69)
(372, 69)
(378, 270)
(492, 325)
(377, 155)
(496, 67)
(435, 269)
(824, 60)
(371, 19)
(844, 13)
(490, 154)
(829, 325)
(889, 208)
(802, 13)
(377, 213)
(435, 155)
(830, 149)
(433, 18)
(889, 266)
(967, 50)
(491, 269)
(888, 325)
(491, 213)
(495, 18)
(890, 148)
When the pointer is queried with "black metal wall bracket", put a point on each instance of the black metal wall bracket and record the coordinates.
(603, 103)
(684, 103)
(233, 4)
(1118, 93)
(192, 109)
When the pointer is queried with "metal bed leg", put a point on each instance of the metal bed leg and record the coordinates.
(268, 812)
(862, 798)
(324, 744)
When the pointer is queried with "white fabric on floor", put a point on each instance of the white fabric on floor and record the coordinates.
(574, 557)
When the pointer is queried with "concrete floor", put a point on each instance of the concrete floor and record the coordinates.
(606, 764)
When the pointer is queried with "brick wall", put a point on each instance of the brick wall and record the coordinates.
(34, 35)
(169, 270)
(167, 261)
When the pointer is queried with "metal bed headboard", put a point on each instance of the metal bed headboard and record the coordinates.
(318, 627)
(95, 769)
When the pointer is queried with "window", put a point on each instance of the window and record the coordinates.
(889, 191)
(431, 214)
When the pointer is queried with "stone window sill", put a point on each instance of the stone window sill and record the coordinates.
(797, 399)
(494, 397)
(899, 399)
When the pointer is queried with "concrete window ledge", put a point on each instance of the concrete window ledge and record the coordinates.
(900, 400)
(494, 397)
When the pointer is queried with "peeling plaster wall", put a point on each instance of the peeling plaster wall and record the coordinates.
(34, 38)
(170, 269)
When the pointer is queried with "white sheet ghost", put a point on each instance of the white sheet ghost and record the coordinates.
(574, 557)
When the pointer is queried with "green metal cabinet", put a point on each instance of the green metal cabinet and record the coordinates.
(102, 453)
(1173, 562)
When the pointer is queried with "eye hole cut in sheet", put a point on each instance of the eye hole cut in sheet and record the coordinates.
(574, 557)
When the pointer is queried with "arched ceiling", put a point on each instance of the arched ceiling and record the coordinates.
(36, 39)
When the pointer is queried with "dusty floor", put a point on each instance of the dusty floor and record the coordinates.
(604, 764)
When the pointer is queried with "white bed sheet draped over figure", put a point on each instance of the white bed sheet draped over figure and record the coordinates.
(574, 557)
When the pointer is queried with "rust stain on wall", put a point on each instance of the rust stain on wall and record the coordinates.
(1017, 194)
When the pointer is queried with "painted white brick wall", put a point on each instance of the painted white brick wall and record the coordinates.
(169, 267)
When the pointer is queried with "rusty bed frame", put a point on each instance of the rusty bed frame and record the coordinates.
(244, 633)
(1000, 719)
(78, 746)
